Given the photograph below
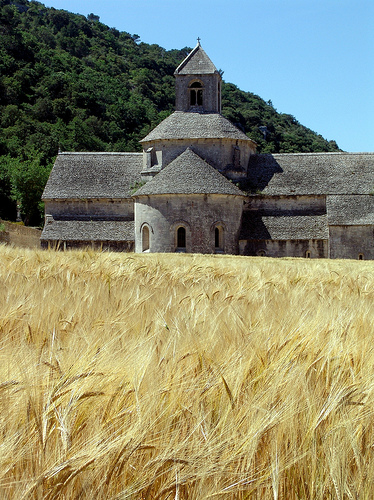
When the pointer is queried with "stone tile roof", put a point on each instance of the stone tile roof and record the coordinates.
(350, 210)
(79, 230)
(193, 125)
(93, 175)
(311, 173)
(196, 63)
(189, 174)
(258, 226)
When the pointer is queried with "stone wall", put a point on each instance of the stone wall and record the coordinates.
(90, 208)
(218, 152)
(315, 204)
(314, 249)
(199, 214)
(352, 242)
(19, 235)
(211, 92)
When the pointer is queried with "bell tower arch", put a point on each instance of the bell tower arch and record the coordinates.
(198, 83)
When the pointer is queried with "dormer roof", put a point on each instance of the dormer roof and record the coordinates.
(188, 174)
(196, 63)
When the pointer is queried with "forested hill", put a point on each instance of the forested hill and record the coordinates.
(68, 81)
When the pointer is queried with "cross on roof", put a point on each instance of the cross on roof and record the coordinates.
(198, 40)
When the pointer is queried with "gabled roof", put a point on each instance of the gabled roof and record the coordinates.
(311, 173)
(190, 125)
(189, 174)
(93, 175)
(196, 63)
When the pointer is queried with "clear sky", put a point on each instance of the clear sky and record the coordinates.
(314, 59)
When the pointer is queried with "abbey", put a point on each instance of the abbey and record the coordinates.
(199, 186)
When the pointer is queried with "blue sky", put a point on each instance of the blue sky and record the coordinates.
(314, 59)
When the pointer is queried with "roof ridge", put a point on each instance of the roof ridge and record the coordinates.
(187, 58)
(113, 153)
(320, 153)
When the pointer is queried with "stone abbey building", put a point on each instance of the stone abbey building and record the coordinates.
(199, 186)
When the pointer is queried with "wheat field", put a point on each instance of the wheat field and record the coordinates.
(128, 376)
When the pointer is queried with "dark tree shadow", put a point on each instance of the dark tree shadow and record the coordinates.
(261, 169)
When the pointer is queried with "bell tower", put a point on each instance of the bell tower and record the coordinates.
(197, 83)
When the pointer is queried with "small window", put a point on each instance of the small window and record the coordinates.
(218, 239)
(261, 253)
(196, 94)
(145, 238)
(360, 256)
(236, 157)
(181, 239)
(308, 254)
(149, 155)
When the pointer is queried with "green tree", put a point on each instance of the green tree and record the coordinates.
(8, 207)
(27, 180)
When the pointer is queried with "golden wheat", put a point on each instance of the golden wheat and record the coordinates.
(185, 377)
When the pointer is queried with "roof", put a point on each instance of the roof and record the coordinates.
(311, 173)
(189, 174)
(350, 210)
(193, 125)
(93, 175)
(196, 63)
(79, 230)
(258, 226)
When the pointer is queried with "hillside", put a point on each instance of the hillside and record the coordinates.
(68, 81)
(185, 376)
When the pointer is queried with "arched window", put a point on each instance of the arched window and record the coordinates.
(360, 256)
(145, 238)
(236, 157)
(261, 253)
(308, 254)
(196, 94)
(218, 239)
(181, 239)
